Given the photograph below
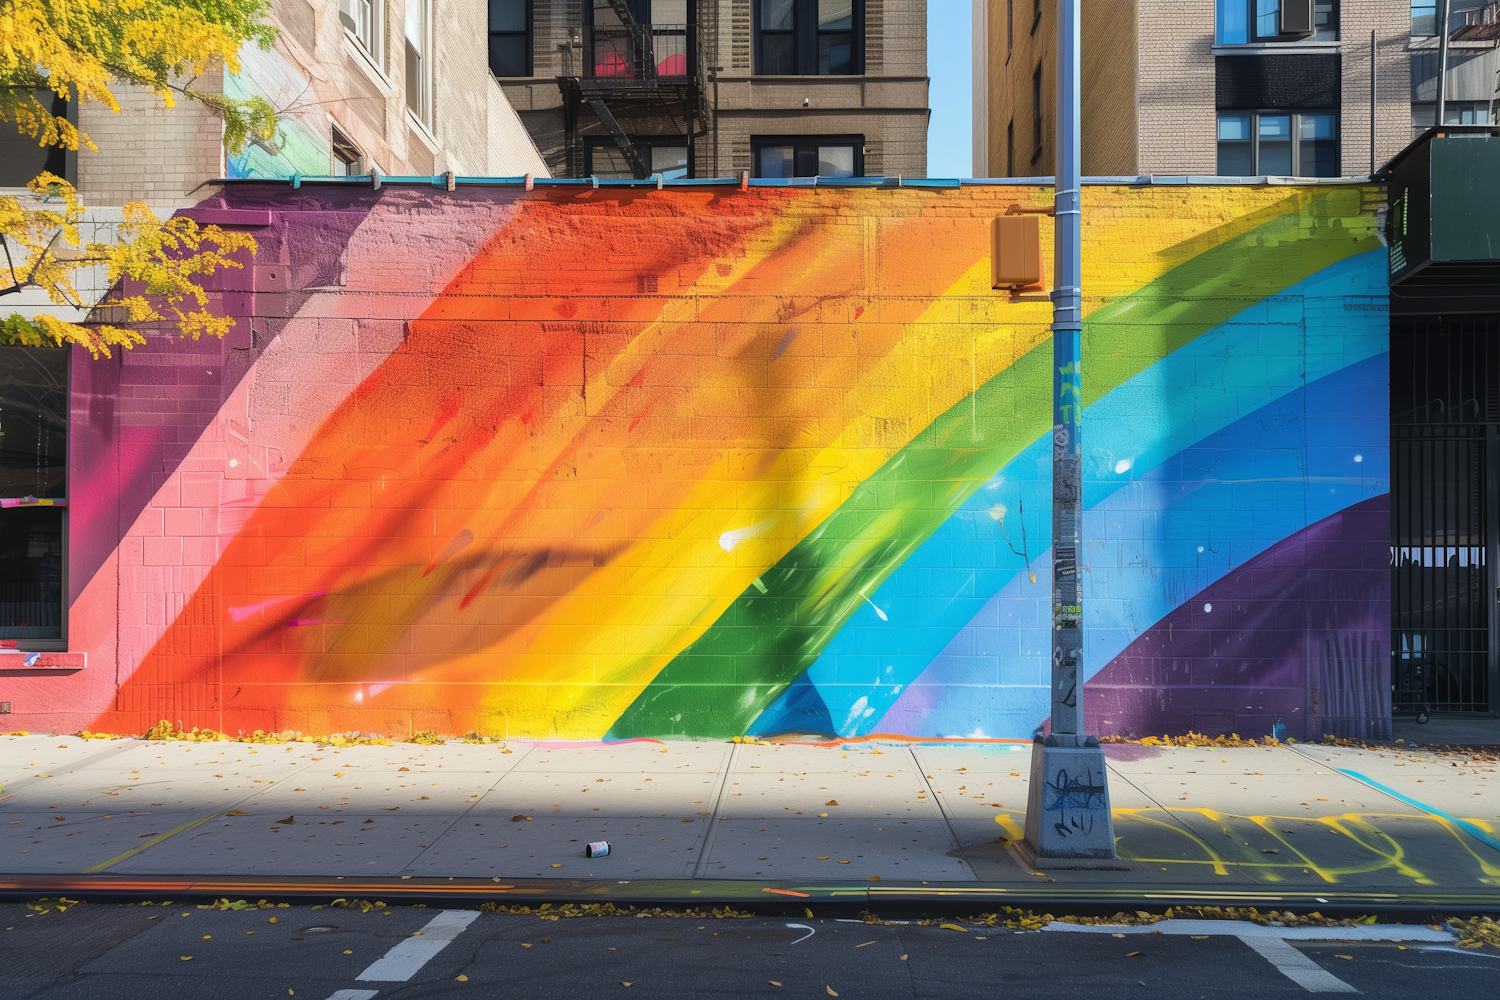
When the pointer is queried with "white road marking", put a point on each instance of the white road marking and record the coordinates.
(353, 995)
(1297, 967)
(803, 927)
(1241, 929)
(1271, 942)
(402, 962)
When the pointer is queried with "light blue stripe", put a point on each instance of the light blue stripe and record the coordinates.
(1275, 347)
(1468, 827)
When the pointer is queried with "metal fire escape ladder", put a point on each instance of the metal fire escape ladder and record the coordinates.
(638, 165)
(622, 11)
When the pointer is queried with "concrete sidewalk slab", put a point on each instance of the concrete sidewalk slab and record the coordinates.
(1460, 785)
(1186, 819)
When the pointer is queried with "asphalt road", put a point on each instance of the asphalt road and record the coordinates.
(123, 952)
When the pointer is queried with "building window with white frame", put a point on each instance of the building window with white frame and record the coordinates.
(808, 156)
(419, 60)
(361, 18)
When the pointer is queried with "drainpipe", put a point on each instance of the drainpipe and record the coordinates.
(1442, 79)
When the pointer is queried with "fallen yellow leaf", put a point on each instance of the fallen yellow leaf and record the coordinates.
(822, 857)
(832, 802)
(773, 982)
(903, 958)
(187, 958)
(830, 991)
(1133, 954)
(461, 979)
(865, 943)
(1347, 958)
(954, 927)
(624, 983)
(525, 945)
(843, 862)
(236, 812)
(557, 866)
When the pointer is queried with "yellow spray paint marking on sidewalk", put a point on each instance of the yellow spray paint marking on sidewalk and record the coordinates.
(150, 843)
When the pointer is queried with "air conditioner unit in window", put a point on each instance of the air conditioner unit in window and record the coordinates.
(1296, 17)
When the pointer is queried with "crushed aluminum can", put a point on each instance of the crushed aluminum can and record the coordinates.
(597, 849)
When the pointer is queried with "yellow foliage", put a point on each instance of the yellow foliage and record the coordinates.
(77, 48)
(160, 259)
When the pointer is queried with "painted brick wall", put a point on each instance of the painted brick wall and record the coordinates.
(703, 462)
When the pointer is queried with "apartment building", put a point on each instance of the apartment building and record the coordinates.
(400, 87)
(1473, 77)
(1200, 87)
(705, 88)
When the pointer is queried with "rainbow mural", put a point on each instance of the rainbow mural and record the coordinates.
(609, 463)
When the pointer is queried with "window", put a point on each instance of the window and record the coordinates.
(1010, 148)
(1286, 144)
(361, 19)
(510, 38)
(1267, 18)
(835, 37)
(1424, 19)
(809, 156)
(418, 61)
(33, 465)
(1237, 22)
(347, 159)
(809, 37)
(1036, 111)
(669, 157)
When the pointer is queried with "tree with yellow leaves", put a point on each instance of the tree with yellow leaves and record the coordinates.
(79, 50)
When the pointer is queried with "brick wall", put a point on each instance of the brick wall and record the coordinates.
(162, 155)
(1175, 87)
(1389, 20)
(536, 464)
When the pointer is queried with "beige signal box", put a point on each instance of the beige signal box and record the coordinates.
(1015, 251)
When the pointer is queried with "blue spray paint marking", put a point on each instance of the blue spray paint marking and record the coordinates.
(1469, 828)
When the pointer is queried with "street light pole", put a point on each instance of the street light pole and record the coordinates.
(1067, 811)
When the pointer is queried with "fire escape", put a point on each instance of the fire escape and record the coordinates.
(638, 80)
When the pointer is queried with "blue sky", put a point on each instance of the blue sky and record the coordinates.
(949, 55)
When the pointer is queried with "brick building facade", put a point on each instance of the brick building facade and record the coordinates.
(1199, 87)
(698, 87)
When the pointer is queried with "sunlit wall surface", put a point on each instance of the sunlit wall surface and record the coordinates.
(699, 463)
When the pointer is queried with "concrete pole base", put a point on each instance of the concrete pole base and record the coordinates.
(1067, 805)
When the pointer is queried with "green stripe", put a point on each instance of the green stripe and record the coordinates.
(776, 629)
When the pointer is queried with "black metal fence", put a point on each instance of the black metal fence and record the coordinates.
(1445, 407)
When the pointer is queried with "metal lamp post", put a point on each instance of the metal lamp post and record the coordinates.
(1067, 809)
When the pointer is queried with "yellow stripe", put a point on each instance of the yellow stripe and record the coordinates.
(150, 843)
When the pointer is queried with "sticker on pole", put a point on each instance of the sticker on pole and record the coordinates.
(598, 849)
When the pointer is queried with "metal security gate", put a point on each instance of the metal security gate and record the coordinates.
(1445, 415)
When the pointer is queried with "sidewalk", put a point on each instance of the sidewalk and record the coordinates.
(1305, 825)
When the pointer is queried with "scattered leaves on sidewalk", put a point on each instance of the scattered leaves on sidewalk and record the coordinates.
(1476, 932)
(549, 911)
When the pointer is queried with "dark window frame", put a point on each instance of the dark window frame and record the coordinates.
(1251, 10)
(1295, 115)
(1037, 100)
(529, 43)
(643, 143)
(59, 643)
(805, 35)
(806, 142)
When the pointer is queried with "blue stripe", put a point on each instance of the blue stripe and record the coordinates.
(1469, 828)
